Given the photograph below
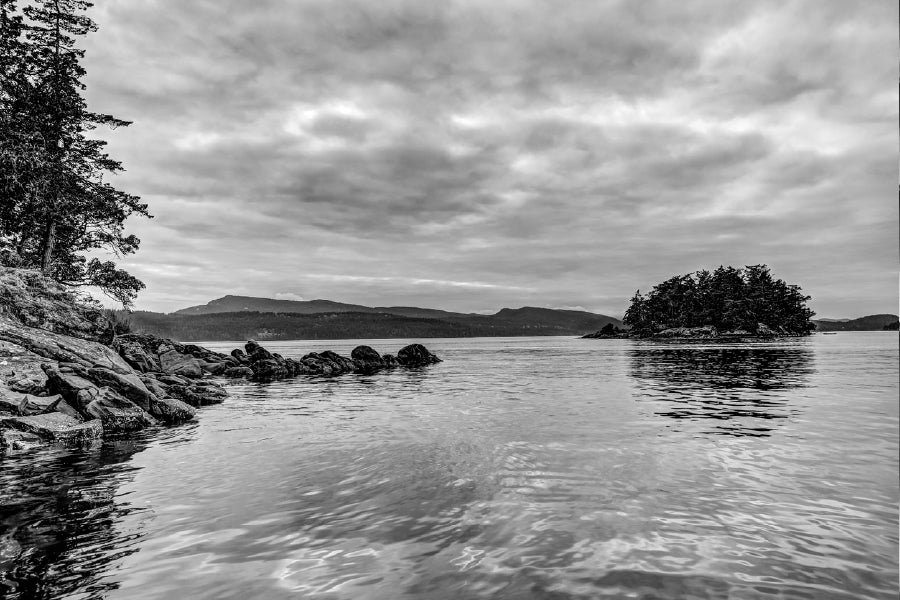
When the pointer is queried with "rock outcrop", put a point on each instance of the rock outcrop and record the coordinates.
(258, 364)
(60, 383)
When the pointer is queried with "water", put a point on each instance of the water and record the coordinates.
(518, 468)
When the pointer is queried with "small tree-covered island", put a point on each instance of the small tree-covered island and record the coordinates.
(728, 302)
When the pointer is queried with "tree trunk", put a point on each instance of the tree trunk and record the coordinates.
(49, 242)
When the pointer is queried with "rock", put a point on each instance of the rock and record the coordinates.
(70, 387)
(238, 372)
(135, 354)
(84, 398)
(155, 387)
(173, 380)
(326, 363)
(129, 385)
(416, 355)
(171, 411)
(36, 405)
(213, 368)
(366, 359)
(365, 353)
(181, 364)
(268, 369)
(20, 370)
(390, 361)
(62, 348)
(67, 409)
(239, 355)
(117, 413)
(55, 427)
(12, 405)
(197, 395)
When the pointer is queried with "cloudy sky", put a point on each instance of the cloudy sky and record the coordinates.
(480, 154)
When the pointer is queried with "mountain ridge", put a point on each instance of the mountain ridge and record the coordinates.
(877, 322)
(245, 317)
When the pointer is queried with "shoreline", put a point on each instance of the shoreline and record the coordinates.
(58, 388)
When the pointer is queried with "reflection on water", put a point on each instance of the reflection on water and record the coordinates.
(518, 469)
(740, 387)
(57, 519)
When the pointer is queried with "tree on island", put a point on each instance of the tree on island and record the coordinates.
(728, 299)
(56, 207)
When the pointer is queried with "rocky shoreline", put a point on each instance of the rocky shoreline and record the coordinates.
(707, 332)
(66, 377)
(57, 388)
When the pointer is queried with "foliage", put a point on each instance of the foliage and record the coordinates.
(119, 320)
(56, 206)
(30, 298)
(728, 299)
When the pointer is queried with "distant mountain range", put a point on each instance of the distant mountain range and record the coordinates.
(245, 317)
(868, 323)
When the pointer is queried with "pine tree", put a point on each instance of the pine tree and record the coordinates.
(61, 204)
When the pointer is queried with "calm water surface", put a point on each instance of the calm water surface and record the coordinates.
(518, 468)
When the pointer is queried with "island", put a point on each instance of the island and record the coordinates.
(728, 303)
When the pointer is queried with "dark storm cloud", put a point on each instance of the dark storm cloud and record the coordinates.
(473, 155)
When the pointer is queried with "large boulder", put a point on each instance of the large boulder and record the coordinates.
(117, 413)
(416, 355)
(366, 359)
(55, 427)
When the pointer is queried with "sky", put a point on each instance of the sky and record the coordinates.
(474, 155)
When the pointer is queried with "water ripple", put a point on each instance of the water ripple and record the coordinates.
(518, 468)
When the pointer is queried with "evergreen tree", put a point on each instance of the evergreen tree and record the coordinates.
(728, 299)
(57, 206)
